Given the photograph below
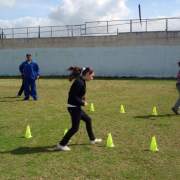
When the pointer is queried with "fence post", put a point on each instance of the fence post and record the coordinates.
(51, 31)
(27, 32)
(166, 24)
(67, 29)
(80, 30)
(146, 25)
(85, 28)
(130, 25)
(107, 27)
(13, 33)
(72, 30)
(2, 34)
(39, 32)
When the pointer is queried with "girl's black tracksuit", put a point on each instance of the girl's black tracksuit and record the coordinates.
(75, 101)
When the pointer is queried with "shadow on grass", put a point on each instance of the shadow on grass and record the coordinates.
(2, 127)
(153, 117)
(30, 150)
(10, 99)
(33, 150)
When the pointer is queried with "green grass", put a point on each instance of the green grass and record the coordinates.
(34, 158)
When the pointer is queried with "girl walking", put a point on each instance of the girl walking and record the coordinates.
(76, 99)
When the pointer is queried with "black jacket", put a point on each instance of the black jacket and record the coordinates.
(77, 92)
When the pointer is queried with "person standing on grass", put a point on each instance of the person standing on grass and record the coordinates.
(76, 99)
(30, 71)
(22, 85)
(175, 108)
(21, 88)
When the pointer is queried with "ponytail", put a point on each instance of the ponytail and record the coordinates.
(74, 72)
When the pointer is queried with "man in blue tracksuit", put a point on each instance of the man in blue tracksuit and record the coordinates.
(30, 72)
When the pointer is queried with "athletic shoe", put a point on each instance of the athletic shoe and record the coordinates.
(96, 141)
(62, 148)
(175, 111)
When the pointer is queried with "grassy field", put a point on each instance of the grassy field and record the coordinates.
(35, 158)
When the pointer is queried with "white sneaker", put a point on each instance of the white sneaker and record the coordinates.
(62, 148)
(96, 141)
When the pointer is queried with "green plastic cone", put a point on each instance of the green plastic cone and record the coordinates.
(153, 145)
(122, 110)
(92, 109)
(154, 111)
(28, 132)
(65, 131)
(109, 141)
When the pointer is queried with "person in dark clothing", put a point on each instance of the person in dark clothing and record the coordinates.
(30, 71)
(76, 99)
(175, 108)
(22, 85)
(21, 88)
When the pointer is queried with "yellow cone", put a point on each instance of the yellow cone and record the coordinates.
(154, 111)
(153, 145)
(28, 132)
(109, 141)
(92, 109)
(122, 110)
(65, 131)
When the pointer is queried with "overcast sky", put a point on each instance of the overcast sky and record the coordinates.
(19, 13)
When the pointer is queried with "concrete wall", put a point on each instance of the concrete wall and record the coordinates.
(152, 54)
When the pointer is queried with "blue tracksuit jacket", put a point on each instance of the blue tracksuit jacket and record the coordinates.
(29, 70)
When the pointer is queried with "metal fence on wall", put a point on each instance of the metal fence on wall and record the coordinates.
(93, 28)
